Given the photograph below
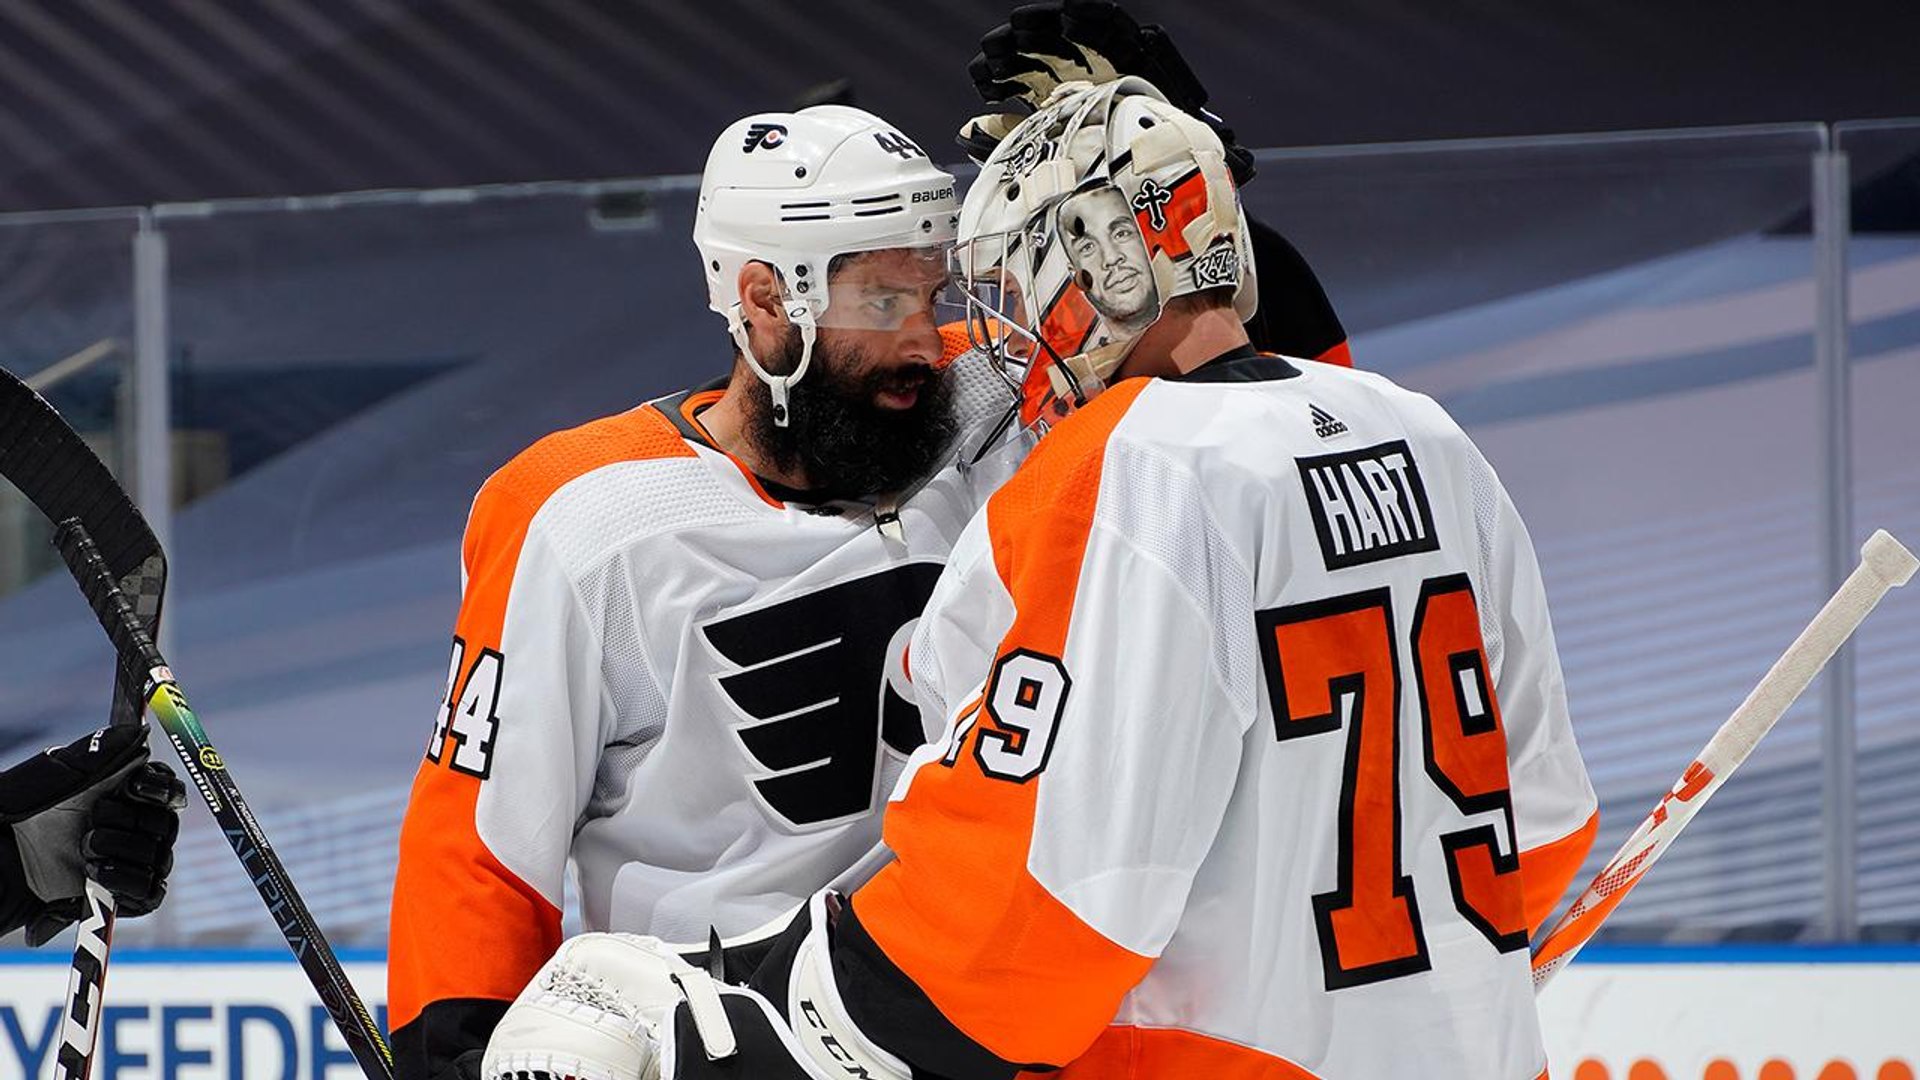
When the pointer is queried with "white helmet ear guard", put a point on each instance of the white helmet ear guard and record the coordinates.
(1095, 211)
(793, 190)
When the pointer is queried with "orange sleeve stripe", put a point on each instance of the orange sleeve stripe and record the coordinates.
(464, 925)
(1133, 1051)
(1547, 870)
(1003, 960)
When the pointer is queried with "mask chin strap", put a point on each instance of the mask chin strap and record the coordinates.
(801, 316)
(1082, 375)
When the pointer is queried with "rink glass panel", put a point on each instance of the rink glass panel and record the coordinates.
(1625, 324)
(1883, 258)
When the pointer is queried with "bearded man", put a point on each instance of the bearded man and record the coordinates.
(679, 658)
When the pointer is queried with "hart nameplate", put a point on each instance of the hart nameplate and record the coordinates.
(1368, 505)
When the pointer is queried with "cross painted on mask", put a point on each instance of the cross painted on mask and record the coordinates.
(1152, 201)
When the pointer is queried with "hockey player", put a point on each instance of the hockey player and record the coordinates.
(1256, 757)
(678, 657)
(93, 808)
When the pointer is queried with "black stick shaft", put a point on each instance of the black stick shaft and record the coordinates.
(168, 704)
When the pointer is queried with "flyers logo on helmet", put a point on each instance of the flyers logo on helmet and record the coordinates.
(764, 137)
(1030, 154)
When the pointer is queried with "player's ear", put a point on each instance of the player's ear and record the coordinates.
(761, 296)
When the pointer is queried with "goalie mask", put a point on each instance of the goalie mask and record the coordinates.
(1089, 216)
(794, 190)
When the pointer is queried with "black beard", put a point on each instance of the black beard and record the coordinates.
(846, 445)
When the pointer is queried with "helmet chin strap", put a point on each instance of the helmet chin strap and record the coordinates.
(799, 315)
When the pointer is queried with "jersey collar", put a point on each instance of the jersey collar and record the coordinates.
(1242, 363)
(683, 411)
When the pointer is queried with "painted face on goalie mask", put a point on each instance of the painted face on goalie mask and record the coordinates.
(1109, 257)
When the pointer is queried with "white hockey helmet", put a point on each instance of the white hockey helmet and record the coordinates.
(1088, 217)
(793, 190)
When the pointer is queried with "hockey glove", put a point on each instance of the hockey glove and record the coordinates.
(93, 808)
(1043, 45)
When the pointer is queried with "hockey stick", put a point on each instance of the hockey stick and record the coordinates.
(86, 986)
(1884, 565)
(55, 469)
(167, 703)
(57, 472)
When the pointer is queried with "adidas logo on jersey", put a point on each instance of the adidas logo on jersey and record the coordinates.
(1368, 505)
(1324, 424)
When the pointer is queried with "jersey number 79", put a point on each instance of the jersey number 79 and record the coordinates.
(1334, 665)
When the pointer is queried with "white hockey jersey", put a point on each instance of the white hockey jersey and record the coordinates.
(661, 668)
(1257, 761)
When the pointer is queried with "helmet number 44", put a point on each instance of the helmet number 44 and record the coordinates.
(895, 143)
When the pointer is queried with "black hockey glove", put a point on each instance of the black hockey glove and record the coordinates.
(93, 808)
(1043, 45)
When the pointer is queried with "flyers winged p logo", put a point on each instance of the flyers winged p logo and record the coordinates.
(817, 709)
(764, 137)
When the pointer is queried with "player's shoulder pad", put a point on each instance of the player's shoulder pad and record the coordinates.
(534, 474)
(507, 503)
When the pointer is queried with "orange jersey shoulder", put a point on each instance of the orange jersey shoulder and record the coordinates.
(450, 887)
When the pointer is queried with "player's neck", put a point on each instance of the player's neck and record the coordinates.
(1178, 344)
(728, 422)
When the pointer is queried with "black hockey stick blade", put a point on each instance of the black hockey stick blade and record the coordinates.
(56, 470)
(168, 706)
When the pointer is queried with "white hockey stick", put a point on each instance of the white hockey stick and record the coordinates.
(1884, 564)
